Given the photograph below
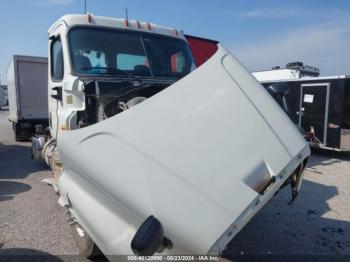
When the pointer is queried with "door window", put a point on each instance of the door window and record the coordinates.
(56, 60)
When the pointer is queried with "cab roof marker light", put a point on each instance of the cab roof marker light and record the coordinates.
(126, 22)
(138, 24)
(149, 26)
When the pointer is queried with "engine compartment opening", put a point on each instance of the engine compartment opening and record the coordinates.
(107, 98)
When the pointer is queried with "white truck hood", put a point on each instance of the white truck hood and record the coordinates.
(191, 156)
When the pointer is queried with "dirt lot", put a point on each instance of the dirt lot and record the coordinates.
(318, 222)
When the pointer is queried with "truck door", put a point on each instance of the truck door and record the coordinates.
(55, 84)
(314, 101)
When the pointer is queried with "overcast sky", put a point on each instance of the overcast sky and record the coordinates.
(261, 34)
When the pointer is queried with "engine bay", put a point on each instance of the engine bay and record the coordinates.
(105, 99)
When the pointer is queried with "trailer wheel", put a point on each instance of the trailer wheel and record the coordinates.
(19, 133)
(84, 242)
(16, 129)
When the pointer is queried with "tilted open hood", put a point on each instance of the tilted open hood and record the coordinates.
(193, 156)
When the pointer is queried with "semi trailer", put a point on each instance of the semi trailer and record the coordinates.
(27, 94)
(152, 154)
(319, 105)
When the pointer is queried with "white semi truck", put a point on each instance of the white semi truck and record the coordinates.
(27, 94)
(152, 155)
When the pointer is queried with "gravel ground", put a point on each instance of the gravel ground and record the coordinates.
(318, 222)
(31, 221)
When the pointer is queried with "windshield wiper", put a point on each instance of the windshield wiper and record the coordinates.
(116, 70)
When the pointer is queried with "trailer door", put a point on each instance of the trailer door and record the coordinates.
(32, 81)
(314, 109)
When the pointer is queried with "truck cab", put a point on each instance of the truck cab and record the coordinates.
(151, 154)
(88, 78)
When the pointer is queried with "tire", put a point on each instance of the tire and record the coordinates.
(19, 133)
(84, 242)
(15, 132)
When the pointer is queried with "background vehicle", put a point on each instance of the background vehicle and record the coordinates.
(133, 123)
(27, 94)
(320, 105)
(202, 48)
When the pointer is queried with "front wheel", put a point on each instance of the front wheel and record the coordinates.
(84, 242)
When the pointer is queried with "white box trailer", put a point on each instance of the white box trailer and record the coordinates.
(27, 94)
(276, 74)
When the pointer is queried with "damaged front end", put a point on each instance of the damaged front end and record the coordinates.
(201, 155)
(105, 98)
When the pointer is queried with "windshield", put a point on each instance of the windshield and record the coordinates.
(96, 51)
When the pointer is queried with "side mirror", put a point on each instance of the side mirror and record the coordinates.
(278, 89)
(149, 238)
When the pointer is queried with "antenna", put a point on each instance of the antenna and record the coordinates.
(126, 14)
(84, 6)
